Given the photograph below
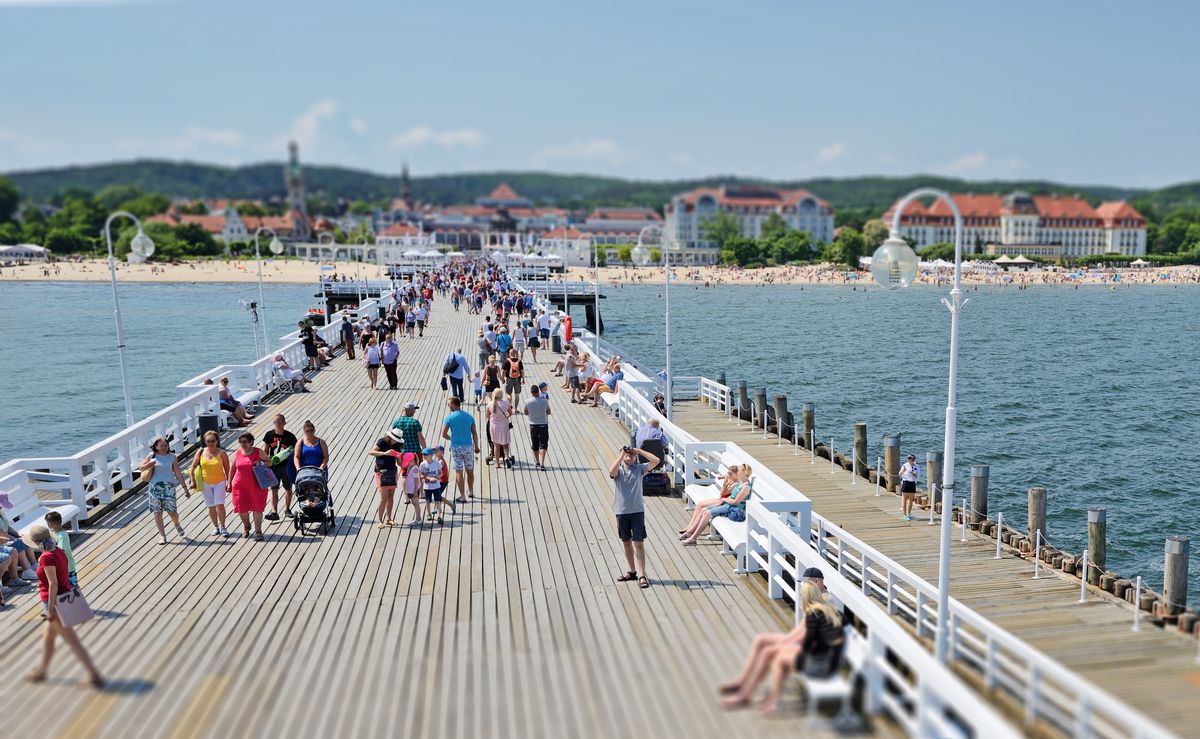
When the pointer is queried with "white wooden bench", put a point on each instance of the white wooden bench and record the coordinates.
(609, 401)
(28, 511)
(733, 535)
(840, 685)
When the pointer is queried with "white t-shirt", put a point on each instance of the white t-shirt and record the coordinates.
(543, 321)
(910, 471)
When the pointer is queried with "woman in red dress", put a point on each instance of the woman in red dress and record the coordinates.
(248, 496)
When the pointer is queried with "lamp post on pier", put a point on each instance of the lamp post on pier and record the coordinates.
(895, 265)
(143, 246)
(643, 256)
(276, 247)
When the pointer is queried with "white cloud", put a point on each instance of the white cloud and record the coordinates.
(980, 163)
(307, 126)
(358, 126)
(589, 151)
(831, 153)
(452, 138)
(198, 135)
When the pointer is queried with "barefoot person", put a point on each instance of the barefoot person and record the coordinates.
(52, 580)
(626, 472)
(160, 493)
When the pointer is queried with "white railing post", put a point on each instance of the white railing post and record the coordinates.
(854, 467)
(795, 443)
(999, 532)
(878, 475)
(764, 423)
(832, 454)
(1037, 555)
(933, 502)
(1083, 578)
(964, 520)
(812, 446)
(1137, 604)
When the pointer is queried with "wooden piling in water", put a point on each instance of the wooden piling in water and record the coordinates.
(760, 406)
(781, 414)
(1037, 512)
(1175, 574)
(1097, 543)
(743, 401)
(860, 448)
(808, 412)
(933, 477)
(979, 493)
(891, 461)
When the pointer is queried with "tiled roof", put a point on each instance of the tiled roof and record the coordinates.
(751, 197)
(1119, 210)
(986, 209)
(503, 192)
(624, 214)
(401, 229)
(563, 232)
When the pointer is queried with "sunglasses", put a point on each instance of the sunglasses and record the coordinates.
(210, 441)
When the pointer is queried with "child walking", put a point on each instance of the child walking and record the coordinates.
(431, 473)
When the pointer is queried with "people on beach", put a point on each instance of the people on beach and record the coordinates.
(160, 492)
(213, 463)
(627, 471)
(910, 472)
(52, 577)
(280, 446)
(249, 496)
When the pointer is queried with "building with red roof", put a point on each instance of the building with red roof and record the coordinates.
(1033, 225)
(610, 226)
(752, 204)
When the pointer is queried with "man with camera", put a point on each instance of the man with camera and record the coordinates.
(626, 472)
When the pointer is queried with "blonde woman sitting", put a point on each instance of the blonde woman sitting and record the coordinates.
(728, 480)
(733, 507)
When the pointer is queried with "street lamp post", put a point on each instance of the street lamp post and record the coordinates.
(596, 298)
(143, 246)
(276, 247)
(895, 265)
(641, 255)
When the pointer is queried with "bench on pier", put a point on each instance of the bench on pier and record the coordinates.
(733, 534)
(609, 401)
(840, 685)
(28, 510)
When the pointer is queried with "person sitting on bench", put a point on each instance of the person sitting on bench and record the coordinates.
(733, 508)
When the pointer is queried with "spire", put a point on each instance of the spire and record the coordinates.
(405, 185)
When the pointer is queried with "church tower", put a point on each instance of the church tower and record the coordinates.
(293, 178)
(406, 186)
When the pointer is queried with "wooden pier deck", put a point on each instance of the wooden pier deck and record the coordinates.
(507, 621)
(1152, 670)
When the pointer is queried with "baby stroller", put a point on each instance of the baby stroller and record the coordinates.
(314, 503)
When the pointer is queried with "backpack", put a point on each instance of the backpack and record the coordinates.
(451, 365)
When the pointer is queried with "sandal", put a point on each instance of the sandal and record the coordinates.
(628, 577)
(35, 677)
(643, 582)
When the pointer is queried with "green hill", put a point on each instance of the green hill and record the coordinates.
(865, 196)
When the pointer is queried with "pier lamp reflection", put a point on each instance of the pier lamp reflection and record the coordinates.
(894, 263)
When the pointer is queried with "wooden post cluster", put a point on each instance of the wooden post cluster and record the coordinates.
(760, 405)
(933, 478)
(891, 461)
(743, 401)
(1175, 572)
(808, 412)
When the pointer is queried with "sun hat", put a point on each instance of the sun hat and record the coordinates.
(396, 434)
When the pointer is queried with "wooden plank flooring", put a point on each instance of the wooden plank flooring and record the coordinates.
(1155, 671)
(504, 622)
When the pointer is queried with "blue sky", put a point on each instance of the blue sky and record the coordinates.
(1095, 92)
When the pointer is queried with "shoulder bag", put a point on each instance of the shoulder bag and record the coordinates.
(73, 608)
(148, 472)
(263, 474)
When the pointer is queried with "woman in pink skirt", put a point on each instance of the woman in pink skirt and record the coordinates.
(248, 496)
(498, 412)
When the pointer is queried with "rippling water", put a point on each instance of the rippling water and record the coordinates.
(1089, 392)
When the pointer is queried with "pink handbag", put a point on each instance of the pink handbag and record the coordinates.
(73, 608)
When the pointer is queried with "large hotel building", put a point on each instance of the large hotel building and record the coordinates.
(753, 205)
(1033, 225)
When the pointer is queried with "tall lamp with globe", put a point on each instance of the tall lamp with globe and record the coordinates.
(276, 247)
(142, 246)
(643, 256)
(894, 265)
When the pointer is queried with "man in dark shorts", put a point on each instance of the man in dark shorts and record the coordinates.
(308, 337)
(280, 441)
(626, 472)
(538, 410)
(347, 330)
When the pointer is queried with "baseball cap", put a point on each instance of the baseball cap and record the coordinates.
(439, 448)
(814, 573)
(411, 405)
(427, 450)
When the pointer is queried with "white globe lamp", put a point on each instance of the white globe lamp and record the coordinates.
(142, 245)
(894, 264)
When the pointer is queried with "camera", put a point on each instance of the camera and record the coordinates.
(626, 449)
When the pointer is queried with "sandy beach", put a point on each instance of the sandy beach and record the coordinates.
(295, 271)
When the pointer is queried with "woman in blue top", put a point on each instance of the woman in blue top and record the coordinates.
(161, 490)
(312, 451)
(734, 508)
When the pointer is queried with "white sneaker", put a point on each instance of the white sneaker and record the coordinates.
(224, 531)
(216, 531)
(28, 575)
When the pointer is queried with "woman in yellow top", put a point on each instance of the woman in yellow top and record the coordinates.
(213, 463)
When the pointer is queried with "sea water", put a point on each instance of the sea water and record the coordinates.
(1088, 392)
